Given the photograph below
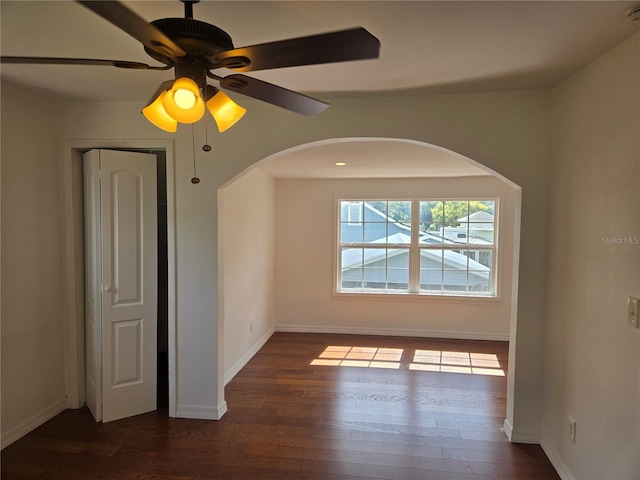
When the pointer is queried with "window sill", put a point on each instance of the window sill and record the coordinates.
(417, 297)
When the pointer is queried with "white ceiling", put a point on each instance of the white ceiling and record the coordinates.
(427, 47)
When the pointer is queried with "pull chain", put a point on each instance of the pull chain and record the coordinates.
(195, 178)
(206, 147)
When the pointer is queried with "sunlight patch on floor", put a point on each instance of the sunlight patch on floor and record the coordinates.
(457, 362)
(423, 360)
(364, 357)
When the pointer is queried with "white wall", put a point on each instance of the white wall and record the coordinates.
(246, 270)
(592, 355)
(33, 357)
(305, 263)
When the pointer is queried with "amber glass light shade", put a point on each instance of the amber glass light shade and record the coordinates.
(183, 101)
(156, 114)
(224, 110)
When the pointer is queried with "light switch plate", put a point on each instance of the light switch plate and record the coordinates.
(633, 310)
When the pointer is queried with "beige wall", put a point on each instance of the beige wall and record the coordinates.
(33, 355)
(591, 354)
(247, 268)
(306, 259)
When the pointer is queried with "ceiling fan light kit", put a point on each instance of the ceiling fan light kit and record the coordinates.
(185, 100)
(195, 49)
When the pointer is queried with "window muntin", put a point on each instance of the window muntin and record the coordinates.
(452, 250)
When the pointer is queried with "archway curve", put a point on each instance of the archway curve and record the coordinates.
(304, 148)
(292, 151)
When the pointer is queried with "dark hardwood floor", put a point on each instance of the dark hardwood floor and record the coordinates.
(291, 417)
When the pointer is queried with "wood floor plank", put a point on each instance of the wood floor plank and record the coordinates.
(289, 419)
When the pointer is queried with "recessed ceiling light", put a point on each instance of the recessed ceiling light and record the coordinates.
(340, 164)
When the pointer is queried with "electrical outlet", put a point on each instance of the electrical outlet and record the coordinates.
(572, 430)
(250, 325)
(633, 308)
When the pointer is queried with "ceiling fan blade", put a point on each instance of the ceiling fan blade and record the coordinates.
(267, 92)
(342, 46)
(80, 61)
(137, 27)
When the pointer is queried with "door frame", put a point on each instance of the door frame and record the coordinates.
(73, 259)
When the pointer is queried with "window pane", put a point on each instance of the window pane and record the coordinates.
(431, 261)
(480, 272)
(479, 281)
(375, 233)
(351, 268)
(351, 212)
(351, 233)
(431, 222)
(398, 280)
(376, 211)
(374, 267)
(485, 257)
(426, 214)
(374, 277)
(400, 211)
(452, 229)
(454, 280)
(400, 232)
(398, 258)
(432, 213)
(480, 222)
(455, 213)
(398, 269)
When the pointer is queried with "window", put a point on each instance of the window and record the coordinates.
(417, 246)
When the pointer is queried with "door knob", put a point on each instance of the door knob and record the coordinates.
(107, 288)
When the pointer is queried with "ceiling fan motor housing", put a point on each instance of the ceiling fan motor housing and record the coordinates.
(201, 41)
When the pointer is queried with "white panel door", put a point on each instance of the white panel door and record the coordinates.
(128, 239)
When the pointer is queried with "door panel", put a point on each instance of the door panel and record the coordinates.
(127, 352)
(128, 206)
(129, 236)
(126, 194)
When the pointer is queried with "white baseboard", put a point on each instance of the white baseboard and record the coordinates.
(556, 460)
(508, 429)
(33, 422)
(247, 356)
(518, 436)
(200, 412)
(394, 332)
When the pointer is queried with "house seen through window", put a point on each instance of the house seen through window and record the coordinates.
(417, 246)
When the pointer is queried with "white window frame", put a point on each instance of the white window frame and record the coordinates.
(415, 249)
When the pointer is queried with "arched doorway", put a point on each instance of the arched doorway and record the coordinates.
(287, 185)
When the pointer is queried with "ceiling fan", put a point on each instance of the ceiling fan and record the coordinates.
(195, 49)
